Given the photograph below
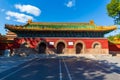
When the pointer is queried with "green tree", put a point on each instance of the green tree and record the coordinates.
(113, 9)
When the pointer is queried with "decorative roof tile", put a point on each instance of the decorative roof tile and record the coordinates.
(47, 26)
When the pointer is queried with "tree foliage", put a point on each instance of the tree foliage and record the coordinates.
(113, 9)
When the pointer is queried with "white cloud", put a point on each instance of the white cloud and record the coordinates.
(19, 17)
(8, 18)
(28, 9)
(70, 4)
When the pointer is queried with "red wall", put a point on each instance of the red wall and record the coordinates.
(34, 42)
(114, 47)
(4, 46)
(88, 41)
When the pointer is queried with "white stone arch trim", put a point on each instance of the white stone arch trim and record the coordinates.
(56, 43)
(41, 41)
(96, 42)
(80, 41)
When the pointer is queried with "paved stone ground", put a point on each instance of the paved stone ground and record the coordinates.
(9, 62)
(14, 61)
(108, 59)
(64, 68)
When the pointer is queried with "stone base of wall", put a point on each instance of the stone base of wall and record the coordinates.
(86, 51)
(97, 51)
(115, 53)
(28, 51)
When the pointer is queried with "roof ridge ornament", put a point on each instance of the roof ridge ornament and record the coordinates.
(29, 21)
(91, 22)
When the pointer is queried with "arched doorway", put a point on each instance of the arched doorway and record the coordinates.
(79, 47)
(96, 46)
(60, 47)
(42, 48)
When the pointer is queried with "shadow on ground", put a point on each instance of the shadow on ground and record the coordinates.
(79, 68)
(88, 69)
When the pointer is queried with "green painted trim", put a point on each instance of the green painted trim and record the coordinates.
(62, 26)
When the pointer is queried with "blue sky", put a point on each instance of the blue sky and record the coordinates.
(19, 11)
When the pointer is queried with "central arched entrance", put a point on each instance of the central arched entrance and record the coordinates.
(79, 47)
(60, 47)
(42, 48)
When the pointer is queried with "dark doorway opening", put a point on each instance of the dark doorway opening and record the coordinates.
(79, 47)
(42, 48)
(96, 46)
(60, 48)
